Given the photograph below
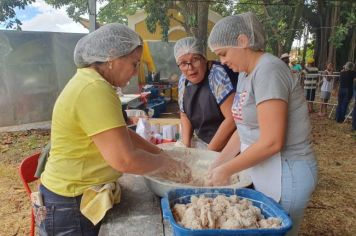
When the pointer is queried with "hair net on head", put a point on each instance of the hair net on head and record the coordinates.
(227, 30)
(106, 43)
(188, 45)
(349, 65)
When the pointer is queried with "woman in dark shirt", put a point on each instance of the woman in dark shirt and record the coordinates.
(206, 91)
(345, 91)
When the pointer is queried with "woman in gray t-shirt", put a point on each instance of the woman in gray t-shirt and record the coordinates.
(271, 116)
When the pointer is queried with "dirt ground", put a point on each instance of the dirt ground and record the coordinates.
(330, 212)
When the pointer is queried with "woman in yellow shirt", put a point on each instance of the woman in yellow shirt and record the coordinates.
(90, 143)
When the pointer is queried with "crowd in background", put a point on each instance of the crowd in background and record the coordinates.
(327, 83)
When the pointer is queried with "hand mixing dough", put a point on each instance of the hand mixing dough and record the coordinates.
(198, 177)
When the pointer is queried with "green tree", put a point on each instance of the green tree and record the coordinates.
(195, 13)
(281, 20)
(333, 25)
(111, 11)
(8, 14)
(344, 34)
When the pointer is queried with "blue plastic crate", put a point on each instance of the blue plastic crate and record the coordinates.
(269, 208)
(158, 105)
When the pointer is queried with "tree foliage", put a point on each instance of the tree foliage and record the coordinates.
(8, 14)
(74, 8)
(157, 13)
(281, 19)
(348, 23)
(118, 10)
(331, 22)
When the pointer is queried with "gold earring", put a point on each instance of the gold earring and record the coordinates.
(110, 66)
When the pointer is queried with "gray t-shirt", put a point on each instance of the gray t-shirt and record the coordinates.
(271, 79)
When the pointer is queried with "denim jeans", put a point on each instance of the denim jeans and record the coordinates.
(354, 112)
(354, 116)
(309, 94)
(344, 98)
(61, 216)
(299, 178)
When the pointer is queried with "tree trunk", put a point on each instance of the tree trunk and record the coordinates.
(276, 47)
(189, 11)
(322, 43)
(334, 20)
(305, 46)
(351, 56)
(203, 12)
(195, 15)
(321, 37)
(293, 25)
(319, 45)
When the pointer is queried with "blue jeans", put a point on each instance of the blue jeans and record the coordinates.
(62, 216)
(309, 94)
(354, 112)
(344, 98)
(354, 117)
(299, 178)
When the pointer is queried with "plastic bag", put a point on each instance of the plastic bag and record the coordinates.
(143, 128)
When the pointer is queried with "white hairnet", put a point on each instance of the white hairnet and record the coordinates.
(227, 30)
(106, 43)
(188, 45)
(349, 65)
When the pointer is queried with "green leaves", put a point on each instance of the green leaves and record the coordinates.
(157, 14)
(192, 21)
(8, 14)
(343, 29)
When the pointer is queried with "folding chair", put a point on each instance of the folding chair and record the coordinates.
(27, 171)
(349, 115)
(333, 108)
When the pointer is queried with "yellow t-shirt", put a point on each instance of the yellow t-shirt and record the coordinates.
(87, 106)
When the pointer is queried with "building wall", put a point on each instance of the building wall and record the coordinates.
(176, 32)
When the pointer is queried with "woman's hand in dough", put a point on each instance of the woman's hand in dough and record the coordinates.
(218, 177)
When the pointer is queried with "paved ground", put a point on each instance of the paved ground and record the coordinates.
(37, 125)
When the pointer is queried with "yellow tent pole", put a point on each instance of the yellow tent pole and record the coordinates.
(145, 60)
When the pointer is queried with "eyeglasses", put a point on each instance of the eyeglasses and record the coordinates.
(195, 62)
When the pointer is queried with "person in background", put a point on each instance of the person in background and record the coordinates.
(347, 77)
(311, 78)
(354, 109)
(285, 58)
(271, 117)
(206, 91)
(326, 88)
(296, 67)
(90, 143)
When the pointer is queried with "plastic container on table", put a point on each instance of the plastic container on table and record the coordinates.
(136, 113)
(158, 105)
(269, 208)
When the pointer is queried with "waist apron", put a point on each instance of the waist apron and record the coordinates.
(267, 175)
